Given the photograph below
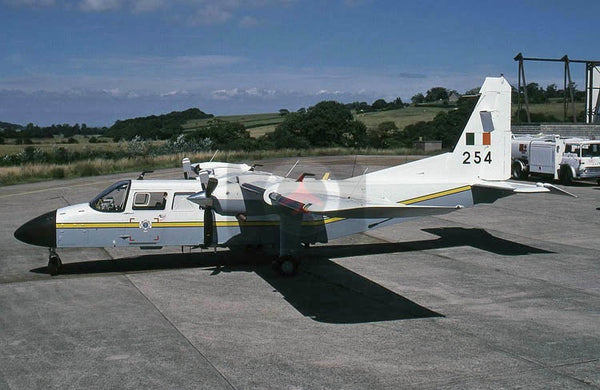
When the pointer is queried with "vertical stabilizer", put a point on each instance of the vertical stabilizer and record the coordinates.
(483, 149)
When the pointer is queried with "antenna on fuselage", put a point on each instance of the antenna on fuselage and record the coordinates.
(292, 168)
(214, 155)
(141, 176)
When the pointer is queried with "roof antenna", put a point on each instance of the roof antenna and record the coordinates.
(141, 176)
(291, 169)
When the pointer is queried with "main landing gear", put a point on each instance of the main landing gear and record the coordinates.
(54, 263)
(286, 265)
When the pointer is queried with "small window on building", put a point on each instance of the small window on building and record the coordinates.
(149, 200)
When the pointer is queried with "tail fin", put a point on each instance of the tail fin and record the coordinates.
(483, 149)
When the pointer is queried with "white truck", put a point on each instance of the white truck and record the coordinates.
(562, 158)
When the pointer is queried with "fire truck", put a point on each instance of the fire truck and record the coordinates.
(564, 159)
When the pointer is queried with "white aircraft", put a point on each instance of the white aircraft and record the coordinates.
(234, 205)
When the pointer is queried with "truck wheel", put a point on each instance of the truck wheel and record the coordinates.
(517, 171)
(566, 176)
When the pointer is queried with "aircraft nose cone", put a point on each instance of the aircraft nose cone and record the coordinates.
(39, 231)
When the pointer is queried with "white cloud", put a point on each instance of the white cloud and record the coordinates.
(100, 5)
(117, 92)
(226, 94)
(194, 12)
(147, 5)
(174, 93)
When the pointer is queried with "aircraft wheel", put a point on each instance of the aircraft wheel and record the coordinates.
(286, 265)
(54, 265)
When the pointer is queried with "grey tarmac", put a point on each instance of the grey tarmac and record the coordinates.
(505, 295)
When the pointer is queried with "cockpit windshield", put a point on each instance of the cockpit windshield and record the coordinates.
(112, 199)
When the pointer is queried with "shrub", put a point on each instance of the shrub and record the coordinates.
(57, 173)
(86, 169)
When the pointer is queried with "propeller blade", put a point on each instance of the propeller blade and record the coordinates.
(208, 227)
(211, 185)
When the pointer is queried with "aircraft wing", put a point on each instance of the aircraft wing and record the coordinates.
(322, 198)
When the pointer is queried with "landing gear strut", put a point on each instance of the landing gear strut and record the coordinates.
(54, 263)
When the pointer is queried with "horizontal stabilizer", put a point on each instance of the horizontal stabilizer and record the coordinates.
(523, 188)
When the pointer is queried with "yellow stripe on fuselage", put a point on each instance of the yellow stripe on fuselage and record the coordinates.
(186, 224)
(435, 195)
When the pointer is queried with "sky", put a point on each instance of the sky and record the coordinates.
(97, 61)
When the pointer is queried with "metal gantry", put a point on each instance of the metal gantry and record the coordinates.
(592, 88)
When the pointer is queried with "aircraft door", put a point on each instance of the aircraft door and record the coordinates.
(185, 221)
(145, 217)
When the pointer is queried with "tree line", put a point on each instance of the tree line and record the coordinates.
(327, 124)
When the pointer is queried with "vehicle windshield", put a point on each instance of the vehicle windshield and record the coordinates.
(112, 199)
(590, 150)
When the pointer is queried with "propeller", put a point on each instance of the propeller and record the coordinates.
(206, 200)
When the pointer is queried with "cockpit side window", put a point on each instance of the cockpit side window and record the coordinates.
(112, 199)
(181, 202)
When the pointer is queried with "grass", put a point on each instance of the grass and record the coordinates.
(261, 124)
(552, 108)
(47, 144)
(402, 117)
(40, 172)
(257, 124)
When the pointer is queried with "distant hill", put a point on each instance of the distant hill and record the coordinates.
(155, 126)
(9, 126)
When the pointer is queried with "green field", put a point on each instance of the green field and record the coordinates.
(553, 108)
(402, 117)
(260, 124)
(48, 144)
(257, 124)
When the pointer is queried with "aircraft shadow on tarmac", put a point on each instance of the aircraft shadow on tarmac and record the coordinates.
(322, 290)
(449, 237)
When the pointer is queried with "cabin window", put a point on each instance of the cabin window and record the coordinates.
(591, 150)
(112, 199)
(181, 202)
(149, 200)
(573, 149)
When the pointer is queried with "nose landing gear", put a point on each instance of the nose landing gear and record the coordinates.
(54, 263)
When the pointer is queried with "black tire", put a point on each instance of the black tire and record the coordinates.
(286, 266)
(517, 171)
(566, 175)
(54, 265)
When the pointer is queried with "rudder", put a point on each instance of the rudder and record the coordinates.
(483, 149)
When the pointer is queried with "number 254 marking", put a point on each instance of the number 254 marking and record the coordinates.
(476, 159)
